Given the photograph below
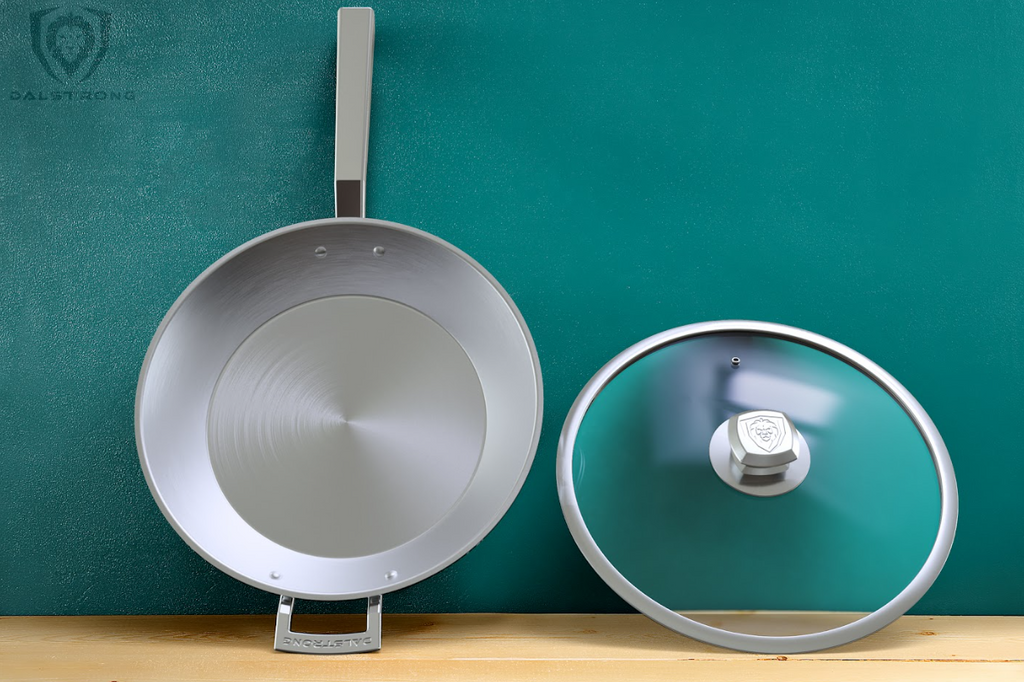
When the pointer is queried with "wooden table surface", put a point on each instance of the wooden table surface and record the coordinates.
(436, 647)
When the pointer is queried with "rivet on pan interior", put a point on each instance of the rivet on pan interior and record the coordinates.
(735, 362)
(274, 575)
(391, 575)
(378, 251)
(320, 251)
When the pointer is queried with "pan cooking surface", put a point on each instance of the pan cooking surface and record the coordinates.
(346, 426)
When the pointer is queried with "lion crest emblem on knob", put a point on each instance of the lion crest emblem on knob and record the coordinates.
(765, 432)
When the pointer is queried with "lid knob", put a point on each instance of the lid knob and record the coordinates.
(760, 452)
(763, 442)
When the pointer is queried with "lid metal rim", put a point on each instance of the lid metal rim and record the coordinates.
(725, 638)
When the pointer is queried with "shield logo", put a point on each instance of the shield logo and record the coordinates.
(70, 42)
(766, 432)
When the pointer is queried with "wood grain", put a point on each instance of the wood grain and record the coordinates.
(487, 646)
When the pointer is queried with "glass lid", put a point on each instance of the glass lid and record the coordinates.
(757, 486)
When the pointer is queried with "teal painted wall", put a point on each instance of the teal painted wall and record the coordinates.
(856, 169)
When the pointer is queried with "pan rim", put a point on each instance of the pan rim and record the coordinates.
(499, 510)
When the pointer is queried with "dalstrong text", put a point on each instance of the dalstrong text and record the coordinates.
(327, 643)
(72, 95)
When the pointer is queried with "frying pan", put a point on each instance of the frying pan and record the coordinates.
(339, 408)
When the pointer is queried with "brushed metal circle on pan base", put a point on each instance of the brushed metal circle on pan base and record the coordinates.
(759, 486)
(346, 426)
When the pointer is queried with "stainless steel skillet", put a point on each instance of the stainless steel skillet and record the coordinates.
(339, 408)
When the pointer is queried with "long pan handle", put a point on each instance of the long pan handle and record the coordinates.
(352, 117)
